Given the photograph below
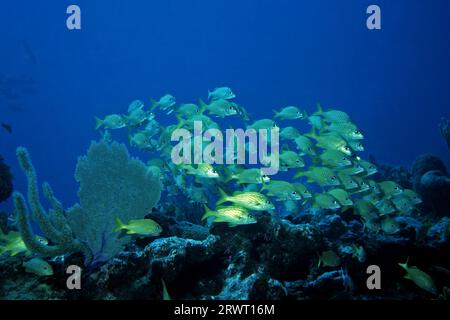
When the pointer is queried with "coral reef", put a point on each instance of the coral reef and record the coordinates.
(6, 185)
(111, 185)
(278, 260)
(274, 259)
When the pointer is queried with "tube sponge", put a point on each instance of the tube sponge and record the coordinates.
(112, 185)
(53, 224)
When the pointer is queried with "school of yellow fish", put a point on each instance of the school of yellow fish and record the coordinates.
(327, 171)
(323, 158)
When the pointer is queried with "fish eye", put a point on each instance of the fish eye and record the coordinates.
(344, 159)
(294, 193)
(333, 178)
(250, 216)
(268, 202)
(346, 148)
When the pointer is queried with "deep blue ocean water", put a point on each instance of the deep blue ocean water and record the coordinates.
(394, 82)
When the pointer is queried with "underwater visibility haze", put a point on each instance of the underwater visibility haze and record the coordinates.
(100, 105)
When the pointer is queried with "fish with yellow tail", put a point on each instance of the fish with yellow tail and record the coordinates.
(220, 108)
(247, 176)
(333, 116)
(289, 133)
(249, 200)
(221, 93)
(141, 227)
(203, 170)
(321, 175)
(13, 243)
(165, 103)
(330, 141)
(420, 278)
(113, 121)
(290, 113)
(233, 215)
(325, 201)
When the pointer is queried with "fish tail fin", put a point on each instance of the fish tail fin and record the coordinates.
(404, 265)
(208, 212)
(264, 186)
(223, 197)
(166, 295)
(154, 104)
(209, 94)
(229, 177)
(277, 114)
(311, 133)
(180, 120)
(305, 113)
(98, 123)
(320, 260)
(119, 225)
(202, 106)
(299, 174)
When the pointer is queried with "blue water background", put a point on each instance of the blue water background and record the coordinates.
(395, 83)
